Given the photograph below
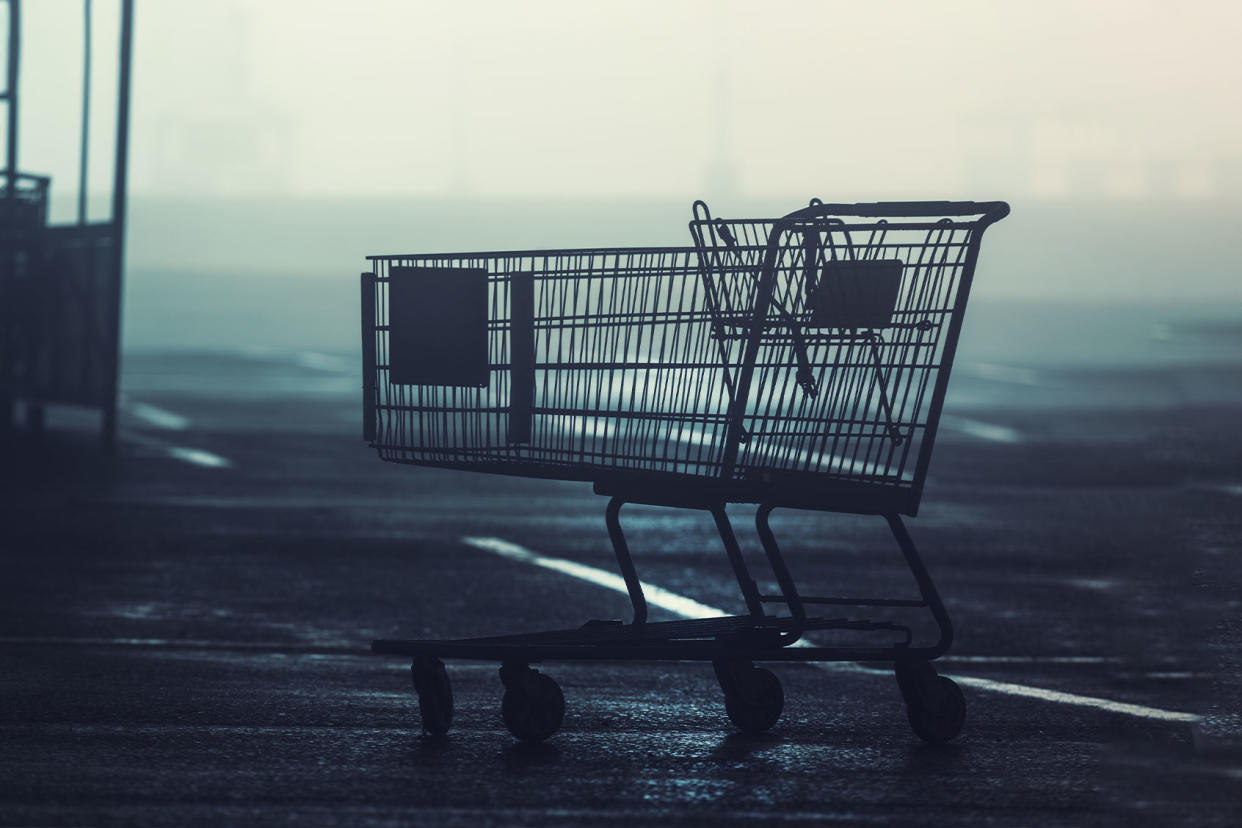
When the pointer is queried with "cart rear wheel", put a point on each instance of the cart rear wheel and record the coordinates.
(935, 704)
(754, 699)
(435, 694)
(533, 706)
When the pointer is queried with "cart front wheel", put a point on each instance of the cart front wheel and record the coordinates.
(935, 705)
(533, 706)
(754, 699)
(435, 694)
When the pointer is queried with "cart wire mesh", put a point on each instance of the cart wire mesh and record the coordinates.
(779, 355)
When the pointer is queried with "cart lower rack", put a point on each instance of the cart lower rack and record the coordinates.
(796, 362)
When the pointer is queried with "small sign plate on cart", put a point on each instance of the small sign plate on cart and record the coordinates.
(860, 294)
(437, 320)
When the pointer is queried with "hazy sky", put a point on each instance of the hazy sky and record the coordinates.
(566, 98)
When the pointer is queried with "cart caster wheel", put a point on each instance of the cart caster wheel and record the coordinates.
(754, 698)
(935, 705)
(435, 694)
(533, 706)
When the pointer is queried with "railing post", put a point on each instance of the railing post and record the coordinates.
(10, 91)
(113, 364)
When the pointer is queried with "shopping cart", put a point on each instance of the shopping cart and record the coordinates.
(794, 362)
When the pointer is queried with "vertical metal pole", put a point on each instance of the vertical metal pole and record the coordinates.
(86, 109)
(15, 48)
(113, 367)
(7, 403)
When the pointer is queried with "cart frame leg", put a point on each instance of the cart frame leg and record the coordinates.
(750, 590)
(927, 590)
(625, 561)
(784, 579)
(634, 587)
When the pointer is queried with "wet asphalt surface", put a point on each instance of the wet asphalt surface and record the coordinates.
(184, 629)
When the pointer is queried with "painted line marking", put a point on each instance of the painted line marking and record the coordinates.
(185, 454)
(1108, 705)
(1003, 659)
(689, 608)
(656, 596)
(170, 421)
(198, 457)
(158, 417)
(990, 432)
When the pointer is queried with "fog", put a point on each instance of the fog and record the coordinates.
(276, 143)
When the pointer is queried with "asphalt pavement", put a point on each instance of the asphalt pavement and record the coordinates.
(185, 627)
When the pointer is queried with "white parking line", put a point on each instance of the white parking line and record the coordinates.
(186, 454)
(1125, 708)
(656, 596)
(984, 431)
(198, 457)
(689, 608)
(158, 417)
(1006, 659)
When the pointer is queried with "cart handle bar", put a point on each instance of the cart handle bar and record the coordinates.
(992, 210)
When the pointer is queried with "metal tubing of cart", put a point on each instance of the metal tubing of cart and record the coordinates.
(625, 561)
(789, 590)
(750, 591)
(926, 587)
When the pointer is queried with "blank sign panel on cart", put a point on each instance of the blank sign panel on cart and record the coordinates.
(438, 326)
(860, 294)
